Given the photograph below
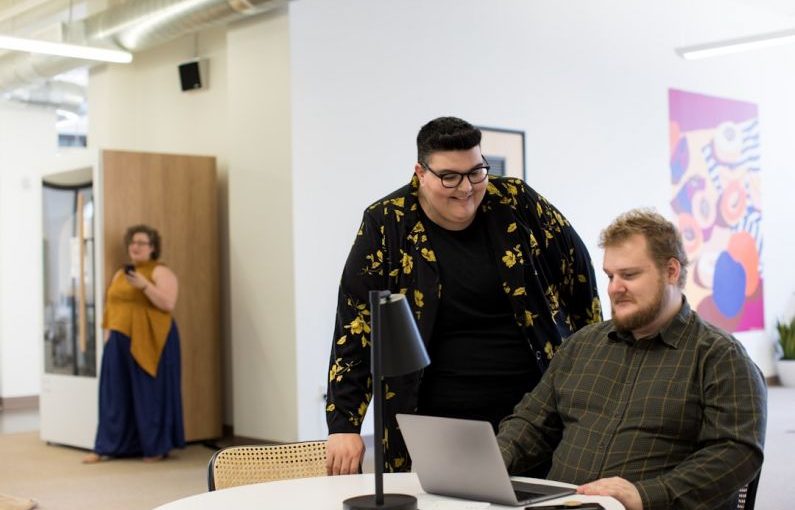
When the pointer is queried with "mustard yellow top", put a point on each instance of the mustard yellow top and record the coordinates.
(128, 311)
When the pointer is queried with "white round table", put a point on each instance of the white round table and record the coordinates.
(328, 492)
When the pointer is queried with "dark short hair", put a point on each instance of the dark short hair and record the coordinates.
(663, 240)
(446, 134)
(151, 233)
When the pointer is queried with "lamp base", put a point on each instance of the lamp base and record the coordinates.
(391, 502)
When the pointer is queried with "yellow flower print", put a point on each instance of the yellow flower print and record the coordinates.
(362, 408)
(418, 298)
(358, 326)
(549, 350)
(398, 202)
(519, 291)
(407, 262)
(376, 259)
(429, 255)
(534, 248)
(552, 298)
(330, 408)
(509, 259)
(399, 461)
(342, 340)
(338, 369)
(512, 227)
(528, 318)
(595, 314)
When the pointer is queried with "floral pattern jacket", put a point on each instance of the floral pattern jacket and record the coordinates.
(545, 269)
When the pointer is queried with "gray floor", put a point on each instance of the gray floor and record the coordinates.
(776, 489)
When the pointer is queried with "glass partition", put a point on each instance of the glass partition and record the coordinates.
(69, 275)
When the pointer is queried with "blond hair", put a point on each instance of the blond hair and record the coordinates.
(663, 240)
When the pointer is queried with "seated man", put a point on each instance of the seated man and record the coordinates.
(654, 407)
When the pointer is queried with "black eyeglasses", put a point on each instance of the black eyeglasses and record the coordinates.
(452, 179)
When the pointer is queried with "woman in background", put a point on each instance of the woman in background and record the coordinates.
(140, 401)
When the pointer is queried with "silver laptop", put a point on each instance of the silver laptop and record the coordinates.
(461, 458)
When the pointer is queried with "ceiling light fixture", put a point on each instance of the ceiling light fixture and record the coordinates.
(753, 42)
(65, 50)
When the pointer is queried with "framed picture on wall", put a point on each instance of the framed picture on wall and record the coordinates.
(504, 150)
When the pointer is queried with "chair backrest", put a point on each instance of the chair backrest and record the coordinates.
(242, 465)
(748, 494)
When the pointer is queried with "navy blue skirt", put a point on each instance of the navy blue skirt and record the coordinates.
(139, 415)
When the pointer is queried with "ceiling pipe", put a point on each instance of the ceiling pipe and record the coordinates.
(54, 94)
(133, 26)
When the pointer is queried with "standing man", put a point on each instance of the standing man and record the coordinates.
(654, 407)
(496, 278)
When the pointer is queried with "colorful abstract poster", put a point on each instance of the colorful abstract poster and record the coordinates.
(716, 199)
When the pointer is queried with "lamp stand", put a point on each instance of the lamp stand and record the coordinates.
(379, 500)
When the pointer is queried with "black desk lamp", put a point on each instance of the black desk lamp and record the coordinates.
(397, 349)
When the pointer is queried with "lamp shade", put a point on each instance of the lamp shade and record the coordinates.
(402, 348)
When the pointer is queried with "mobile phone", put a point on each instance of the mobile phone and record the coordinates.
(129, 268)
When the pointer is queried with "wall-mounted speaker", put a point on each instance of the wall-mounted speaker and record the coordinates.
(193, 75)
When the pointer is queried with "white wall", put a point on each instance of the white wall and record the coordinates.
(261, 229)
(587, 82)
(25, 134)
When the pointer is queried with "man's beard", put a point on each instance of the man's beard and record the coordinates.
(644, 316)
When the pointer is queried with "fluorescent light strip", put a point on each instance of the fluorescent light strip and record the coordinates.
(65, 50)
(726, 47)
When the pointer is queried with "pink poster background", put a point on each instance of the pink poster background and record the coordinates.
(715, 195)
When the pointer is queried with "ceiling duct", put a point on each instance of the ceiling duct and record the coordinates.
(133, 26)
(58, 94)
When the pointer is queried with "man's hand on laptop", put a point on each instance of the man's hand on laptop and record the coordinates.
(617, 487)
(344, 454)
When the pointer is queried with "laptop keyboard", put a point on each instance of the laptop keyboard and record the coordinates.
(527, 490)
(524, 496)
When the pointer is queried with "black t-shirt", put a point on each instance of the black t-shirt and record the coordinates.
(481, 364)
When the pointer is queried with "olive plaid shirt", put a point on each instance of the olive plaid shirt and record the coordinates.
(682, 415)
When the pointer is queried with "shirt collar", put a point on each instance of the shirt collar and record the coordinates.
(671, 334)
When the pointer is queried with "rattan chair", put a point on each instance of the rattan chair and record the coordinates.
(748, 494)
(242, 465)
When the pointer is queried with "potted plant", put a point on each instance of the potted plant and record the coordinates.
(786, 353)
